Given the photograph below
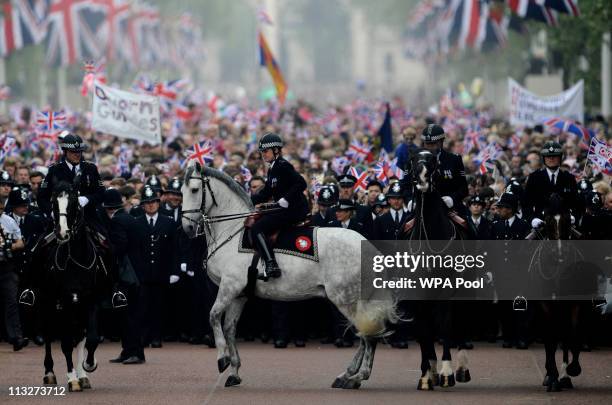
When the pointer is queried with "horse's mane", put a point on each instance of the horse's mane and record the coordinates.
(225, 179)
(63, 186)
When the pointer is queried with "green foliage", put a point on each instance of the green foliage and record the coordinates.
(582, 36)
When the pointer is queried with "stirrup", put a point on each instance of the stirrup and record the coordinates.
(27, 297)
(599, 302)
(119, 300)
(519, 303)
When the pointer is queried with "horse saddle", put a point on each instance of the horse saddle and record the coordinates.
(298, 240)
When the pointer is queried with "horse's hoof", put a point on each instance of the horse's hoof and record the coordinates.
(88, 368)
(233, 380)
(553, 385)
(574, 369)
(462, 375)
(447, 381)
(223, 363)
(425, 385)
(339, 382)
(74, 386)
(546, 381)
(435, 379)
(50, 379)
(566, 383)
(352, 384)
(84, 383)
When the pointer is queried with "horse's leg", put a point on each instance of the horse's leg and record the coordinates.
(90, 364)
(80, 372)
(447, 376)
(354, 381)
(353, 367)
(574, 341)
(232, 315)
(462, 374)
(552, 373)
(564, 380)
(49, 377)
(67, 346)
(224, 297)
(426, 382)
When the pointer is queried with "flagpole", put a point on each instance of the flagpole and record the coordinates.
(3, 108)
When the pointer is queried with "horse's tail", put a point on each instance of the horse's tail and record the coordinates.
(372, 316)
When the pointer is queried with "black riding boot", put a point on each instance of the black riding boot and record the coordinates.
(271, 268)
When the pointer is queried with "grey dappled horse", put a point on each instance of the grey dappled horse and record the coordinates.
(209, 194)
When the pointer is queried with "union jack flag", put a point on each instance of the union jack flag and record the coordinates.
(44, 141)
(50, 121)
(380, 170)
(123, 162)
(73, 31)
(514, 143)
(600, 155)
(202, 152)
(486, 157)
(357, 152)
(395, 170)
(246, 173)
(339, 164)
(8, 147)
(362, 178)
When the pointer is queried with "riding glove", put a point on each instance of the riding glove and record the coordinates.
(448, 201)
(174, 279)
(83, 201)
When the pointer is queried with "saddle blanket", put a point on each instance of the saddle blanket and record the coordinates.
(297, 241)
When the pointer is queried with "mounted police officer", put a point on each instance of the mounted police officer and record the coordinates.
(286, 187)
(449, 178)
(72, 164)
(546, 181)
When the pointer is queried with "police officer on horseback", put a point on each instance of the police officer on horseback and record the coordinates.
(285, 187)
(72, 164)
(449, 178)
(546, 181)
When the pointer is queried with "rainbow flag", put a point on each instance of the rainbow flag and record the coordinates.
(267, 59)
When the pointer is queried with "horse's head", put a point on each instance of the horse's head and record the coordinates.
(67, 212)
(195, 204)
(425, 165)
(557, 218)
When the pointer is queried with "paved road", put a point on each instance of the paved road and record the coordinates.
(184, 374)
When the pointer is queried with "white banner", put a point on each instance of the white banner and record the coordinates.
(125, 114)
(527, 108)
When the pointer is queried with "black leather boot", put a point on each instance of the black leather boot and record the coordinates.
(271, 267)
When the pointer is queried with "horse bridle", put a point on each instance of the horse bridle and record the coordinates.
(204, 221)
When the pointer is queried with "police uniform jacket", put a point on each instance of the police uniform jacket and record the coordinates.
(126, 236)
(284, 182)
(539, 188)
(32, 229)
(363, 214)
(90, 185)
(353, 224)
(483, 230)
(158, 250)
(385, 227)
(518, 230)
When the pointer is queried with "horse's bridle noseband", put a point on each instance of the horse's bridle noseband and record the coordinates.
(204, 221)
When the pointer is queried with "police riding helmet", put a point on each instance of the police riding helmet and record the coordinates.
(270, 140)
(72, 142)
(551, 148)
(432, 133)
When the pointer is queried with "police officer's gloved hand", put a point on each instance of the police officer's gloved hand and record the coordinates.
(283, 203)
(83, 201)
(183, 267)
(410, 205)
(190, 273)
(448, 201)
(536, 223)
(174, 278)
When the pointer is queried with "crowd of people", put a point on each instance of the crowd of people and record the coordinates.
(491, 174)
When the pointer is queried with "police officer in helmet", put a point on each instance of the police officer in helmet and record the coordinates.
(449, 178)
(285, 187)
(546, 181)
(71, 165)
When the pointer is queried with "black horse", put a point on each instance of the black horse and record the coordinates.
(71, 281)
(432, 222)
(561, 318)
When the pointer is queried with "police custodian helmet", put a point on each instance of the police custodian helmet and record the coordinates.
(270, 140)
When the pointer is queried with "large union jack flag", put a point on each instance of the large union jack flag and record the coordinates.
(202, 152)
(50, 121)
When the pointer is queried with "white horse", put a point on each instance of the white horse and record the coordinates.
(209, 194)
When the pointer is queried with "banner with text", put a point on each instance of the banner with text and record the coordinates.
(126, 115)
(527, 108)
